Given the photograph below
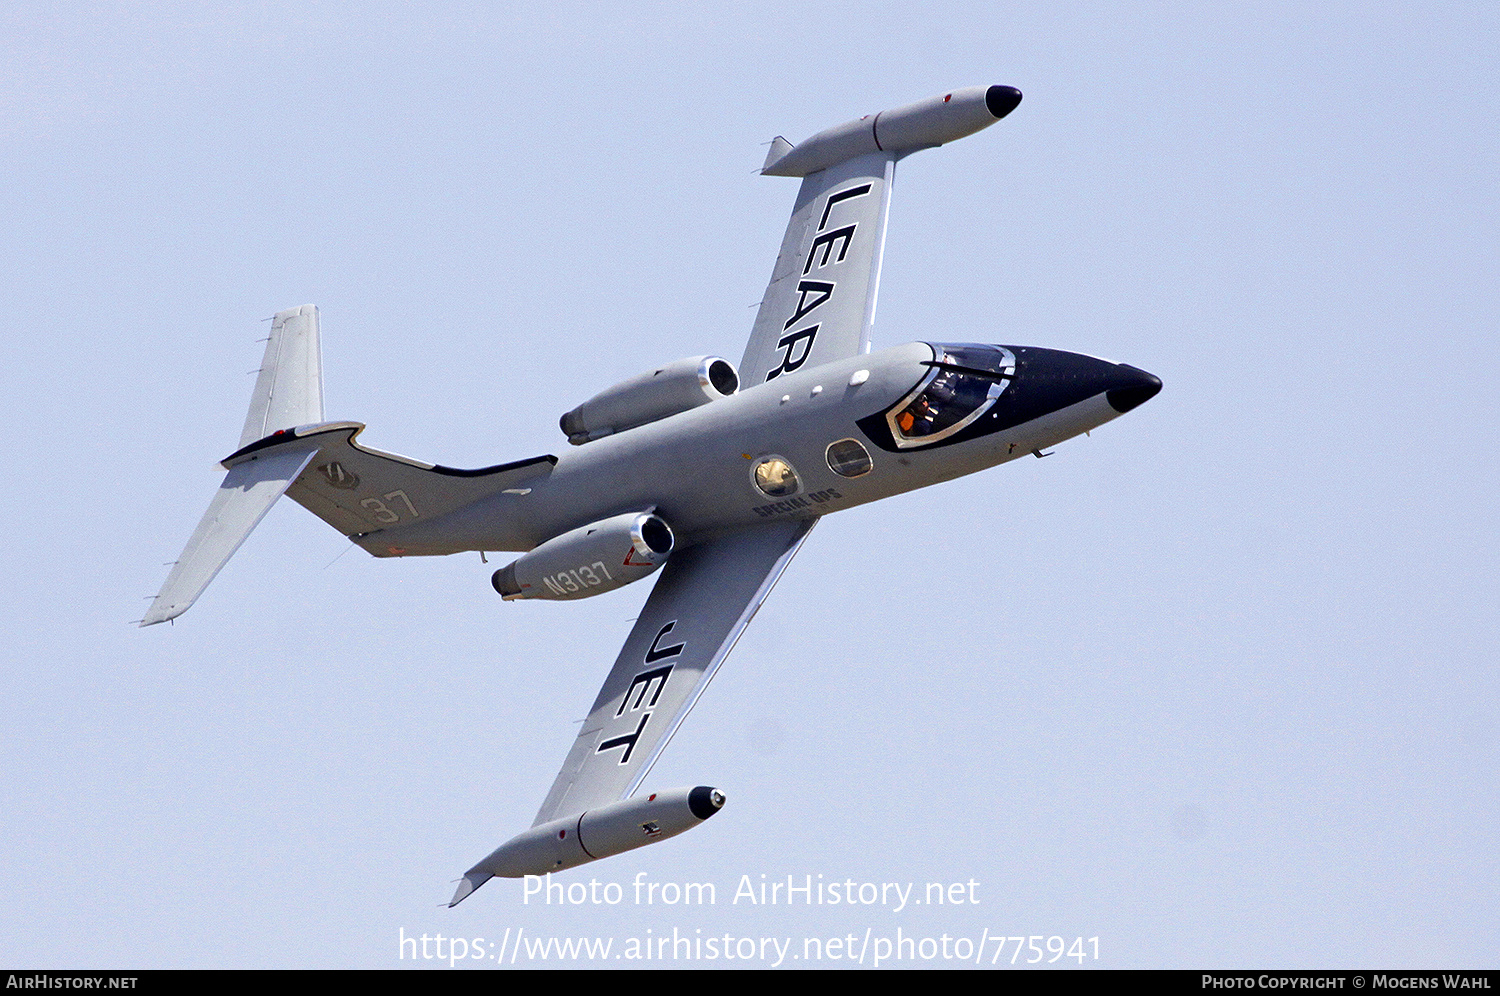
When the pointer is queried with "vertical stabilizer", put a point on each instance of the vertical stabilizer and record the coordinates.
(289, 390)
(288, 393)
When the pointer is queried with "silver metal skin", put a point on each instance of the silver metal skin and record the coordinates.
(921, 125)
(665, 391)
(693, 467)
(598, 833)
(711, 480)
(589, 560)
(289, 386)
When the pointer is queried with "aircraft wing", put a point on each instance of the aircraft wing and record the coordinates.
(820, 304)
(706, 596)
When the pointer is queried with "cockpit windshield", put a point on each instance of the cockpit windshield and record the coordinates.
(964, 382)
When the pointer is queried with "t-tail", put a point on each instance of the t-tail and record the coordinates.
(287, 448)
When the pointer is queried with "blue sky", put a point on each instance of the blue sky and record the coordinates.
(1215, 685)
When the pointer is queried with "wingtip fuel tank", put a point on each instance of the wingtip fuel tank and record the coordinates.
(596, 833)
(898, 131)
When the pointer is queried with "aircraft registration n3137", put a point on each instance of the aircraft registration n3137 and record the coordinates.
(711, 474)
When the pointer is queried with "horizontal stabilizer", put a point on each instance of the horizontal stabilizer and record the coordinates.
(289, 390)
(247, 494)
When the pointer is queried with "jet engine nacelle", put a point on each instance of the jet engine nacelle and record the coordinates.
(590, 560)
(676, 387)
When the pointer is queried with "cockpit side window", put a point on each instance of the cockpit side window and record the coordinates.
(963, 384)
(949, 397)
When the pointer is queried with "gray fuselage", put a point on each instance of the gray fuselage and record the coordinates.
(696, 468)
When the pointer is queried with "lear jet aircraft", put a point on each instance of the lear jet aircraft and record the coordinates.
(711, 475)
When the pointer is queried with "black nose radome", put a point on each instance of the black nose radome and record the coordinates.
(1001, 100)
(1136, 387)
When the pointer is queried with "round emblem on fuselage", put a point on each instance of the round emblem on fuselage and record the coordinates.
(338, 476)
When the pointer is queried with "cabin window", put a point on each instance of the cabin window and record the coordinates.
(847, 458)
(775, 477)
